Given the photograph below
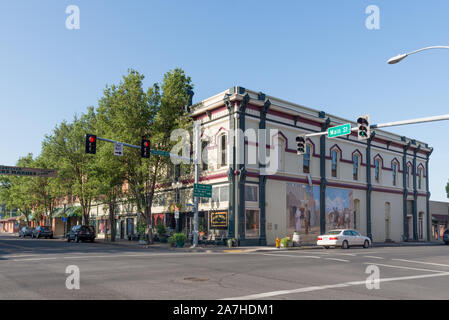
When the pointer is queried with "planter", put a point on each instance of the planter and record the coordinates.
(180, 244)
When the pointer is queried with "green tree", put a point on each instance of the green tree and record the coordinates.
(78, 170)
(127, 113)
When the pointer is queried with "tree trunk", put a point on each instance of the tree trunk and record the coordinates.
(112, 220)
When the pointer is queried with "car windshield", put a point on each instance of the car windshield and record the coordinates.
(332, 232)
(446, 232)
(44, 228)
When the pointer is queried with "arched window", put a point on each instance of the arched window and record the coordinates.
(204, 155)
(394, 169)
(280, 150)
(377, 168)
(419, 177)
(222, 150)
(306, 159)
(334, 162)
(355, 166)
(407, 175)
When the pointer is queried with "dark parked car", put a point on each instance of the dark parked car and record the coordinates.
(446, 237)
(42, 232)
(25, 232)
(82, 233)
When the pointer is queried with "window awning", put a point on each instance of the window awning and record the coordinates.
(58, 213)
(74, 212)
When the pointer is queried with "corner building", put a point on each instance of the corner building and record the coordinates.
(377, 186)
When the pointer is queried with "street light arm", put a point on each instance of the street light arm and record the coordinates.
(402, 56)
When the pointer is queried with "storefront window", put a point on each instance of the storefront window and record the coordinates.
(251, 193)
(224, 193)
(252, 223)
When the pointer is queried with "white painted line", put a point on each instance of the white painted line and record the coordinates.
(335, 259)
(373, 257)
(287, 255)
(348, 254)
(422, 262)
(332, 286)
(34, 259)
(402, 267)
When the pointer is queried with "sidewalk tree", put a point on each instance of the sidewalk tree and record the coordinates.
(78, 170)
(127, 113)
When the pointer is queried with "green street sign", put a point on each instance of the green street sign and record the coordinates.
(202, 190)
(337, 131)
(160, 153)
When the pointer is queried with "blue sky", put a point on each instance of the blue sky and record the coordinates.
(315, 53)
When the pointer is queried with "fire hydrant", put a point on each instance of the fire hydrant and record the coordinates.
(278, 242)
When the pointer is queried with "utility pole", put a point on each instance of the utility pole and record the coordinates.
(196, 161)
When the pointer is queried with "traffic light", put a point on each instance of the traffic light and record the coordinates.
(363, 129)
(91, 143)
(145, 148)
(301, 144)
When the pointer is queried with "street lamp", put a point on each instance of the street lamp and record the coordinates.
(176, 185)
(402, 56)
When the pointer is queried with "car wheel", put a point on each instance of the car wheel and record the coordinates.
(326, 247)
(345, 245)
(446, 242)
(366, 244)
(68, 239)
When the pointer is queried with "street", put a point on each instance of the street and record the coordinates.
(36, 269)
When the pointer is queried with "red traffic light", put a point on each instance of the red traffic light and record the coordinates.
(146, 144)
(92, 139)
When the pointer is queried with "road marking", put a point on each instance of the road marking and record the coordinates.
(402, 267)
(422, 262)
(332, 286)
(335, 259)
(348, 254)
(373, 257)
(34, 259)
(286, 255)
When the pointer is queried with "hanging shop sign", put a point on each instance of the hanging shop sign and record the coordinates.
(219, 219)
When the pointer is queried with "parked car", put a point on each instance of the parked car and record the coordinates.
(446, 236)
(42, 232)
(343, 238)
(25, 232)
(81, 233)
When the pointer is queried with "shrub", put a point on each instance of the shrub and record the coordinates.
(285, 242)
(160, 229)
(179, 237)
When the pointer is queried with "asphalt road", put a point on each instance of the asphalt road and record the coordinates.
(36, 269)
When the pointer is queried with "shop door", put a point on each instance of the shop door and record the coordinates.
(122, 229)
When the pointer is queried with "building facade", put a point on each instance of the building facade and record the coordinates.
(440, 218)
(378, 186)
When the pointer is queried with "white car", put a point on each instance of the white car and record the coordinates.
(343, 238)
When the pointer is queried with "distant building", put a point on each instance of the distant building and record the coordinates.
(440, 218)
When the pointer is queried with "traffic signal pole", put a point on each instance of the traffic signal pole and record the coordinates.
(197, 160)
(392, 124)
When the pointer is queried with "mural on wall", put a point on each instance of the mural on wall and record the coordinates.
(303, 210)
(339, 209)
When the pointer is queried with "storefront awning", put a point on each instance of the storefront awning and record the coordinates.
(74, 212)
(58, 213)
